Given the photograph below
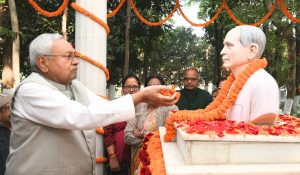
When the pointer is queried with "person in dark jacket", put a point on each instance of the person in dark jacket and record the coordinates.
(192, 97)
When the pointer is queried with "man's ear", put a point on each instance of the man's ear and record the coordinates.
(42, 64)
(253, 51)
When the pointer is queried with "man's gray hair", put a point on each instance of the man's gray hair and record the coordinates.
(42, 45)
(251, 34)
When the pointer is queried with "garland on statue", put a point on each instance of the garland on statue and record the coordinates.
(224, 101)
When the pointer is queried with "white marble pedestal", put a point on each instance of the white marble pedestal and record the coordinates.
(175, 165)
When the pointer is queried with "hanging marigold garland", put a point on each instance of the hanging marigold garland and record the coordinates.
(200, 24)
(100, 131)
(177, 6)
(223, 102)
(101, 160)
(286, 13)
(46, 13)
(99, 65)
(76, 7)
(115, 11)
(270, 12)
(148, 22)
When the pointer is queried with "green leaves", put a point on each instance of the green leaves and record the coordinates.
(5, 32)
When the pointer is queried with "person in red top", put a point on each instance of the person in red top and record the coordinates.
(118, 152)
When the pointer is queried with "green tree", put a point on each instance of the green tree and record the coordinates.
(142, 39)
(178, 50)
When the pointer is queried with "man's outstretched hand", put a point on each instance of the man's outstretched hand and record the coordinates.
(155, 95)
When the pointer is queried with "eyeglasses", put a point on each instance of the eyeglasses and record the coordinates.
(190, 79)
(131, 87)
(69, 56)
(4, 108)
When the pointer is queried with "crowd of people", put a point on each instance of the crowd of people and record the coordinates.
(53, 115)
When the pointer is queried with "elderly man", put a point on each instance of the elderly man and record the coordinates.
(192, 97)
(258, 100)
(4, 130)
(53, 114)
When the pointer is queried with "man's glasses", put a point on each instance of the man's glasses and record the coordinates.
(69, 56)
(190, 79)
(131, 87)
(4, 108)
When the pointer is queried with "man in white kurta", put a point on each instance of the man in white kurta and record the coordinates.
(54, 115)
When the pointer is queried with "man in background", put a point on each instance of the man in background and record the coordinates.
(4, 130)
(192, 97)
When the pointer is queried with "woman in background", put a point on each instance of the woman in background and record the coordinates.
(118, 152)
(148, 118)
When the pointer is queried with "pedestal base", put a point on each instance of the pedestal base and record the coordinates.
(175, 165)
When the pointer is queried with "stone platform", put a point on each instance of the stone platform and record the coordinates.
(238, 149)
(176, 165)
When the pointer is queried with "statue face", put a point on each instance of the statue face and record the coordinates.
(234, 54)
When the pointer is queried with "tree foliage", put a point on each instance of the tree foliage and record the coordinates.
(164, 50)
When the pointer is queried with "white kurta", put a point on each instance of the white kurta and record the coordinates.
(41, 104)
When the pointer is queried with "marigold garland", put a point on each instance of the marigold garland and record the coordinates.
(177, 6)
(286, 13)
(76, 7)
(113, 13)
(46, 13)
(200, 24)
(100, 131)
(270, 12)
(223, 102)
(101, 160)
(148, 22)
(155, 155)
(99, 65)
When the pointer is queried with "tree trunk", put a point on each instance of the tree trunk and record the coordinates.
(16, 41)
(127, 40)
(217, 65)
(153, 60)
(147, 60)
(292, 61)
(5, 40)
(291, 79)
(64, 23)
